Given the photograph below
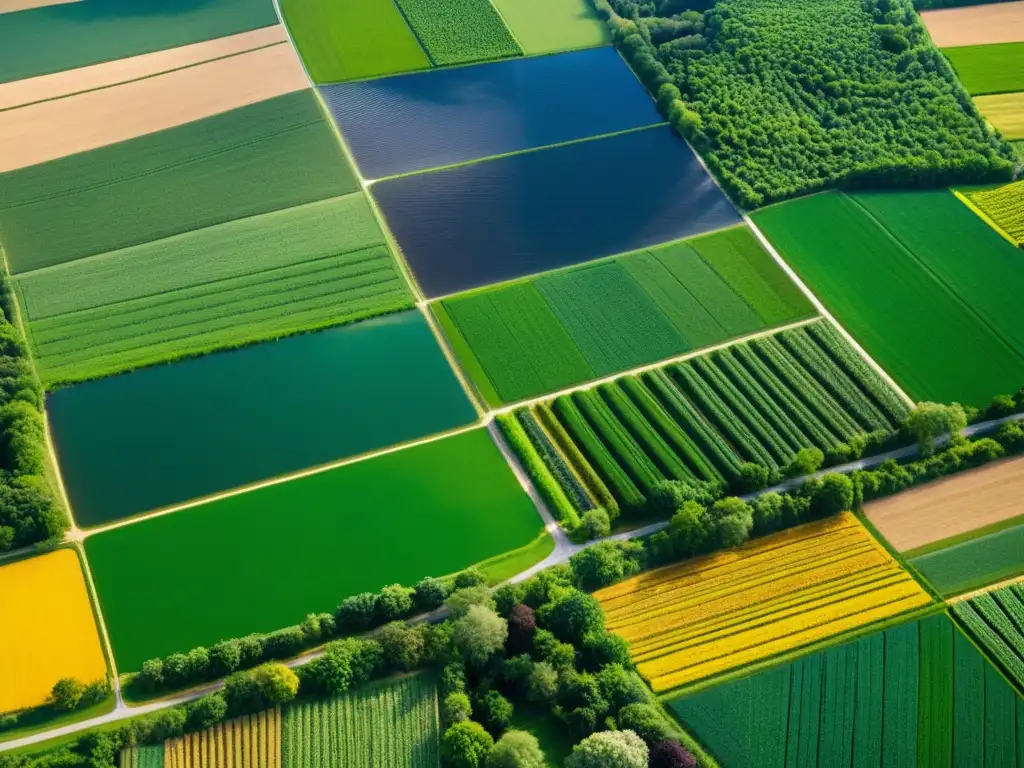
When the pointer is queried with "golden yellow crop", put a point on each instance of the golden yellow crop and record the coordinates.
(49, 631)
(687, 622)
(253, 741)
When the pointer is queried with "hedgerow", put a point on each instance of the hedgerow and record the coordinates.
(669, 430)
(622, 446)
(538, 470)
(723, 417)
(644, 434)
(833, 379)
(569, 483)
(707, 437)
(618, 482)
(884, 396)
(780, 393)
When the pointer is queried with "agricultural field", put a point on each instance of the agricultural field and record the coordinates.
(169, 434)
(996, 621)
(142, 757)
(688, 622)
(251, 741)
(982, 24)
(265, 157)
(969, 563)
(49, 629)
(550, 26)
(432, 509)
(461, 114)
(33, 134)
(62, 37)
(459, 31)
(916, 694)
(919, 327)
(757, 402)
(1005, 112)
(527, 338)
(392, 723)
(535, 211)
(1003, 207)
(352, 39)
(987, 69)
(252, 279)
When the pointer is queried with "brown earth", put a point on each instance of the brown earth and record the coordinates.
(52, 129)
(11, 6)
(951, 506)
(976, 25)
(46, 87)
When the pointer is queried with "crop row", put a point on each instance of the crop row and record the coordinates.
(996, 620)
(459, 31)
(251, 741)
(761, 402)
(1005, 206)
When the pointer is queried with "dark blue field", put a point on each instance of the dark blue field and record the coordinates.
(430, 119)
(483, 223)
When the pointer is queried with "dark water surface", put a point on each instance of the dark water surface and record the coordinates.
(171, 433)
(430, 119)
(479, 224)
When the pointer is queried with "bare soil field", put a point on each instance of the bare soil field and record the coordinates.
(60, 84)
(52, 129)
(951, 506)
(11, 6)
(976, 25)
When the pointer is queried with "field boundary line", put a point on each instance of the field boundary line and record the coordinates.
(954, 599)
(453, 362)
(820, 306)
(101, 623)
(984, 217)
(517, 152)
(653, 366)
(279, 479)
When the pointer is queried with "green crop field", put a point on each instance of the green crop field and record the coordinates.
(549, 26)
(761, 401)
(272, 155)
(273, 555)
(550, 332)
(52, 39)
(459, 31)
(1004, 206)
(974, 563)
(996, 620)
(390, 723)
(246, 280)
(934, 345)
(918, 694)
(989, 68)
(982, 269)
(352, 39)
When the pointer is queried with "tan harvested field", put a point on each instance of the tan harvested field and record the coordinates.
(976, 25)
(951, 506)
(52, 129)
(46, 87)
(1005, 111)
(11, 6)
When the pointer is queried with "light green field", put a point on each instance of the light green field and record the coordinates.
(352, 39)
(257, 278)
(987, 69)
(459, 31)
(549, 26)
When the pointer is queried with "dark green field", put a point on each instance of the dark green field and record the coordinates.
(548, 333)
(935, 344)
(974, 563)
(171, 433)
(263, 560)
(918, 694)
(265, 157)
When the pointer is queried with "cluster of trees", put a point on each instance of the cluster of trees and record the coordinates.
(68, 695)
(788, 98)
(29, 512)
(357, 613)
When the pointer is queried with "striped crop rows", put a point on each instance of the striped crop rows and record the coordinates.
(690, 621)
(759, 402)
(252, 741)
(996, 620)
(389, 725)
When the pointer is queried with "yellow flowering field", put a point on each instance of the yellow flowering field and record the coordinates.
(690, 621)
(253, 741)
(49, 631)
